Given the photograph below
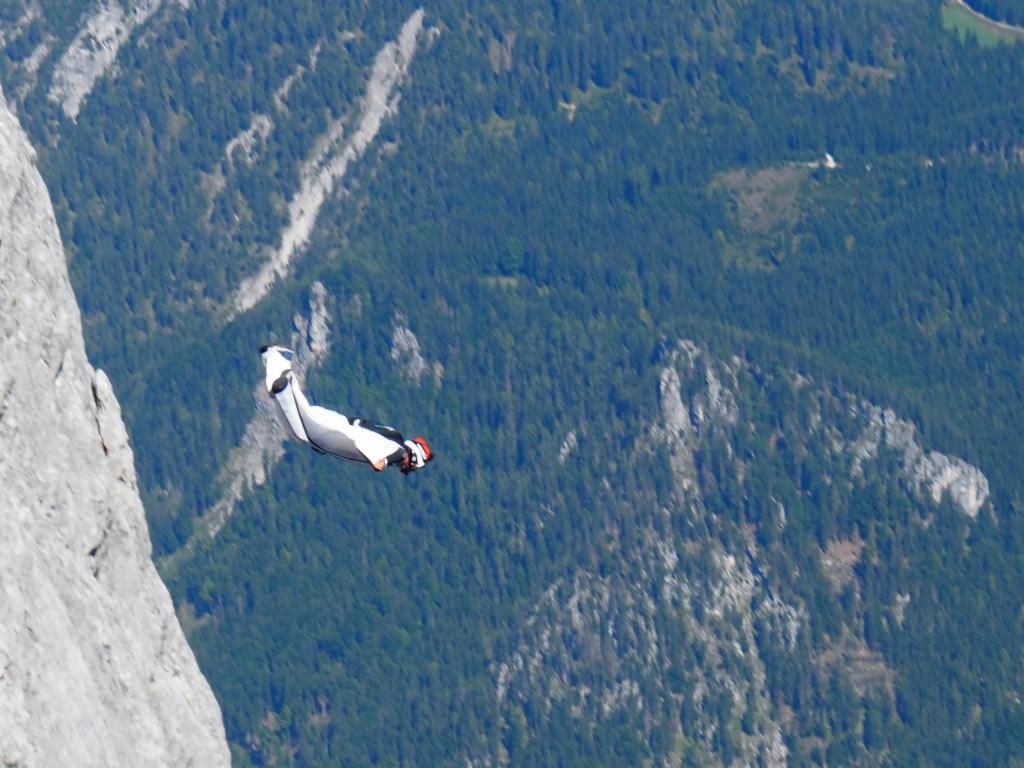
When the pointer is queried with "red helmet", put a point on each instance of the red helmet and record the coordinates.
(419, 453)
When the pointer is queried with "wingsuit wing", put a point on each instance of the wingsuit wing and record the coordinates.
(374, 446)
(332, 433)
(278, 366)
(325, 430)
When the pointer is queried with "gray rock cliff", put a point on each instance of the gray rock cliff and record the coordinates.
(94, 668)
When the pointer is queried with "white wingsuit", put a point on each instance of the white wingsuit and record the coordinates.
(328, 431)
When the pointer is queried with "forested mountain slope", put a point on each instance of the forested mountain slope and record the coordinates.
(518, 211)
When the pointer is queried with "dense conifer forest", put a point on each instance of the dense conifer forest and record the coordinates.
(829, 192)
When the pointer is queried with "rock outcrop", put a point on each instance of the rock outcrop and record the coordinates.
(931, 473)
(408, 357)
(94, 668)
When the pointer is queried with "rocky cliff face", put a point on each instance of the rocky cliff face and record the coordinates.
(94, 668)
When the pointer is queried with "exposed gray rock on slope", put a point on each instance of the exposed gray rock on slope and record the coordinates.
(94, 669)
(569, 444)
(405, 353)
(334, 154)
(930, 473)
(407, 356)
(246, 146)
(24, 71)
(94, 50)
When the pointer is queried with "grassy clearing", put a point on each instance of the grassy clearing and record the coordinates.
(964, 21)
(766, 208)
